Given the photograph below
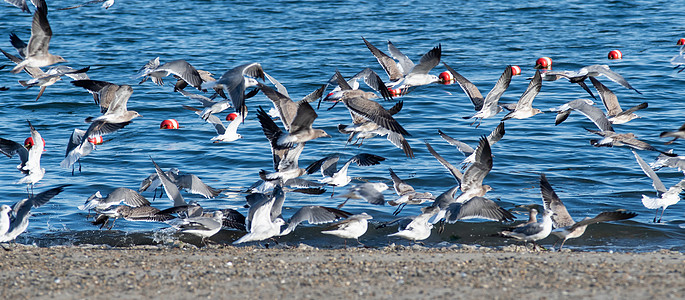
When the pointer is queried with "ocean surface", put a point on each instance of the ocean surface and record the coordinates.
(302, 43)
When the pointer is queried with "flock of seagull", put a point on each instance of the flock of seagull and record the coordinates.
(265, 199)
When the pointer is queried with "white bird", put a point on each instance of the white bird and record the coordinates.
(666, 197)
(117, 196)
(488, 107)
(30, 158)
(419, 228)
(475, 207)
(76, 149)
(615, 113)
(314, 214)
(591, 71)
(533, 232)
(36, 53)
(235, 81)
(405, 74)
(337, 178)
(664, 160)
(224, 133)
(372, 192)
(370, 78)
(351, 228)
(524, 108)
(261, 222)
(19, 218)
(210, 106)
(565, 227)
(202, 226)
(406, 193)
(113, 100)
(179, 68)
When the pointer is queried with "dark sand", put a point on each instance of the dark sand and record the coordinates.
(226, 272)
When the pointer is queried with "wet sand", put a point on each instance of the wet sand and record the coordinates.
(225, 272)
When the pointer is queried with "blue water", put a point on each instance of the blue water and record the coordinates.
(301, 43)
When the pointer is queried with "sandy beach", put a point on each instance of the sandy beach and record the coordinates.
(226, 272)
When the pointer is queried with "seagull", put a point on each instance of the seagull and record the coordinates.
(19, 216)
(76, 149)
(115, 114)
(314, 214)
(407, 194)
(372, 192)
(40, 78)
(370, 116)
(610, 137)
(487, 107)
(145, 213)
(185, 181)
(419, 228)
(615, 114)
(666, 197)
(472, 180)
(363, 129)
(43, 80)
(210, 106)
(405, 74)
(300, 128)
(179, 68)
(202, 226)
(337, 178)
(678, 134)
(494, 137)
(351, 228)
(30, 158)
(591, 71)
(370, 78)
(587, 108)
(36, 52)
(664, 160)
(524, 108)
(236, 80)
(532, 232)
(566, 227)
(474, 207)
(116, 197)
(224, 133)
(262, 223)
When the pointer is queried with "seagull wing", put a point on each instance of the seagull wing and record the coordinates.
(561, 217)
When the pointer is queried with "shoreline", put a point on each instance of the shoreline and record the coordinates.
(222, 271)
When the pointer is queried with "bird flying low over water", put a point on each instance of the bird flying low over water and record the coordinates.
(181, 69)
(29, 157)
(404, 74)
(615, 113)
(485, 107)
(36, 52)
(14, 220)
(565, 227)
(235, 81)
(666, 197)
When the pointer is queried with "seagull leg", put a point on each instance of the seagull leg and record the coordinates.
(5, 248)
(399, 209)
(562, 244)
(662, 214)
(342, 204)
(656, 214)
